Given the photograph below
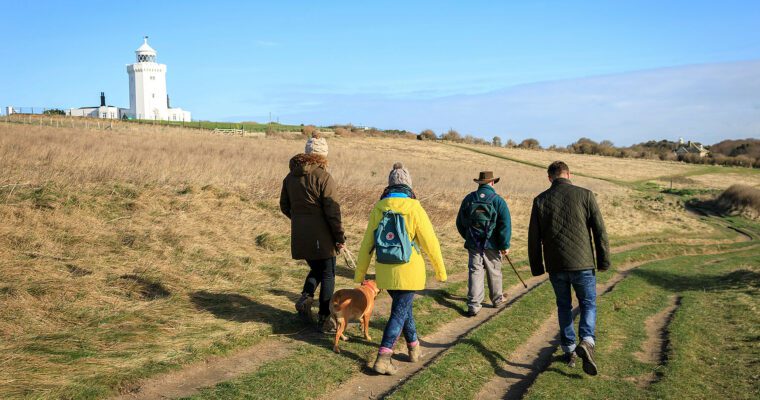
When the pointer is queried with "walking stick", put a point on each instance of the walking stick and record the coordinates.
(515, 269)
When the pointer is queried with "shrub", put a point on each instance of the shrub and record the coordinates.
(342, 132)
(452, 136)
(496, 141)
(428, 134)
(309, 131)
(529, 144)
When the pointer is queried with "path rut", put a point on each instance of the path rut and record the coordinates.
(188, 380)
(528, 361)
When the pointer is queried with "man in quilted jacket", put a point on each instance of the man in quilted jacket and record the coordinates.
(567, 239)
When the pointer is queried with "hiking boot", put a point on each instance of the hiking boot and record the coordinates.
(501, 300)
(471, 313)
(585, 351)
(383, 364)
(415, 352)
(570, 358)
(326, 325)
(303, 306)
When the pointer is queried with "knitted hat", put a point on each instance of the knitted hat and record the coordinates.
(316, 146)
(399, 176)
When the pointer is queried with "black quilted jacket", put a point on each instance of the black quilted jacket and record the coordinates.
(565, 228)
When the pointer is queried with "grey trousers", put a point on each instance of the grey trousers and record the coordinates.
(489, 263)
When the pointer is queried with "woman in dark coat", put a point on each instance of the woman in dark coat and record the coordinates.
(307, 198)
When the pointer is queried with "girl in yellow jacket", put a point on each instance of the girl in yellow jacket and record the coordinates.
(401, 280)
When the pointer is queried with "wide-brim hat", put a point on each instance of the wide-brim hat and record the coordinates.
(486, 177)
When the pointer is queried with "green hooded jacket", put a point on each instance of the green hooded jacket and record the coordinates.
(502, 232)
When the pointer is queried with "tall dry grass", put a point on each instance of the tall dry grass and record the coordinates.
(739, 198)
(124, 252)
(622, 169)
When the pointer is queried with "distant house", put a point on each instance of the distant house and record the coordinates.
(690, 147)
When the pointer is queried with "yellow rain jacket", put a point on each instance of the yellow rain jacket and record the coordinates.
(409, 276)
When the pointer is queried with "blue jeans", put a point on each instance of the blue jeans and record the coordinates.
(401, 319)
(584, 283)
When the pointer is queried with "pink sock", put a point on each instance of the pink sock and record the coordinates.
(413, 344)
(384, 350)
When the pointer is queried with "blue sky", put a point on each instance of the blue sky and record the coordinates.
(554, 70)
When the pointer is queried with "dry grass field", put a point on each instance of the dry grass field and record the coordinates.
(110, 242)
(620, 169)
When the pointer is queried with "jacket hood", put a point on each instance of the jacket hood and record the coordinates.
(303, 164)
(398, 204)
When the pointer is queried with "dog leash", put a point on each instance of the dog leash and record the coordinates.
(515, 269)
(350, 260)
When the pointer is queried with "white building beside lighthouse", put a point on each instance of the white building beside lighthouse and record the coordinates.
(147, 88)
(148, 98)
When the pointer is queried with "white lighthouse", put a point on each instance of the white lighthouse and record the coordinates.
(147, 88)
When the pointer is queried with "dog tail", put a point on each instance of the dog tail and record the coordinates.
(340, 302)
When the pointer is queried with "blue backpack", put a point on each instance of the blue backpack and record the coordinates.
(392, 242)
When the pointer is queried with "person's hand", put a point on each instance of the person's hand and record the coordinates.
(340, 246)
(504, 253)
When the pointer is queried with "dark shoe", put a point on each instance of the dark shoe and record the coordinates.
(585, 351)
(303, 306)
(383, 365)
(471, 313)
(570, 358)
(326, 325)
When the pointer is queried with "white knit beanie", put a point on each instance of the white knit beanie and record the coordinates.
(399, 176)
(316, 146)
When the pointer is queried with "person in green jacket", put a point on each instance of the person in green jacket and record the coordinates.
(565, 230)
(486, 227)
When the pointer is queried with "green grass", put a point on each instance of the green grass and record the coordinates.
(248, 126)
(706, 359)
(462, 370)
(293, 377)
(435, 308)
(465, 368)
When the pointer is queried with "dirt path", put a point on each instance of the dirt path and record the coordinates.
(532, 357)
(210, 372)
(528, 361)
(187, 381)
(368, 385)
(655, 349)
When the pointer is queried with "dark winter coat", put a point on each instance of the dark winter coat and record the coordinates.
(307, 198)
(565, 229)
(502, 232)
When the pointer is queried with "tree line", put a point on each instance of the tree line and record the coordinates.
(740, 153)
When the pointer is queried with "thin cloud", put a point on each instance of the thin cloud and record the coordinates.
(707, 103)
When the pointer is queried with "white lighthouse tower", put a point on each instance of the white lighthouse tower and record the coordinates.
(147, 88)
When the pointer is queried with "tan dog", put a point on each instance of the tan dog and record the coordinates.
(353, 304)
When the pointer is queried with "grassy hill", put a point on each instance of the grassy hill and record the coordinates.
(125, 254)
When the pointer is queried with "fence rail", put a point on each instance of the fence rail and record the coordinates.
(58, 121)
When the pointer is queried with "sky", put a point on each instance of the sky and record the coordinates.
(625, 71)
